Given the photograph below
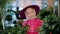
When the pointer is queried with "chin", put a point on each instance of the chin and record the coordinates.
(31, 18)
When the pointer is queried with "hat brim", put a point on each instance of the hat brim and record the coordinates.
(22, 13)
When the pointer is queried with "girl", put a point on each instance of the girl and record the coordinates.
(29, 13)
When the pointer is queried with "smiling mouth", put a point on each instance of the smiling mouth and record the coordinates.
(31, 16)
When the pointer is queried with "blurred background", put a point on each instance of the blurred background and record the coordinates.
(10, 20)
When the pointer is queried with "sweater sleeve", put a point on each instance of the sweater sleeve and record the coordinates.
(24, 24)
(40, 22)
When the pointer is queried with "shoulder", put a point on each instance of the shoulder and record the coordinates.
(37, 19)
(39, 22)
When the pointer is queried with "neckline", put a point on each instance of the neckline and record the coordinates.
(32, 19)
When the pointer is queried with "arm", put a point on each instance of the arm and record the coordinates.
(24, 24)
(40, 23)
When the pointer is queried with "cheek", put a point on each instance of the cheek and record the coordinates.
(27, 15)
(34, 14)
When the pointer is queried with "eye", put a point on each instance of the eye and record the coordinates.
(32, 11)
(27, 12)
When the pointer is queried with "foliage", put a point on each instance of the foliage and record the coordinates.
(0, 22)
(4, 2)
(8, 17)
(51, 19)
(15, 30)
(43, 13)
(2, 6)
(51, 22)
(0, 17)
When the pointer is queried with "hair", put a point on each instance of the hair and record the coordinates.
(30, 7)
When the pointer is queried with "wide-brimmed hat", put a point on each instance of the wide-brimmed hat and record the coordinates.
(22, 12)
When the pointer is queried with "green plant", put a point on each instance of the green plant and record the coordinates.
(3, 9)
(8, 17)
(15, 30)
(43, 13)
(0, 22)
(4, 2)
(51, 24)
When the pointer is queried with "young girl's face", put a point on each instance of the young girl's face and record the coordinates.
(30, 13)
